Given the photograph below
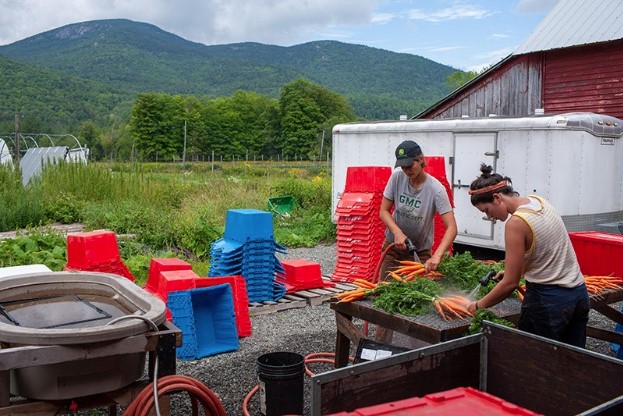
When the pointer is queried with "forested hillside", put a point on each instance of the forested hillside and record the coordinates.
(139, 57)
(51, 102)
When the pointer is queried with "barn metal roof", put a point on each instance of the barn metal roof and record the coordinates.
(576, 23)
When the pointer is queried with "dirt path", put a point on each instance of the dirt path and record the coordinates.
(63, 228)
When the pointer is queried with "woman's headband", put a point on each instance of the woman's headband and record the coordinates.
(489, 188)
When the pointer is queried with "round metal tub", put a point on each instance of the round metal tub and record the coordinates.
(72, 308)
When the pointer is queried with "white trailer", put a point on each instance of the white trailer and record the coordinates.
(574, 160)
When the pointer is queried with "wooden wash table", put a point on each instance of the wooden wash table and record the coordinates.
(431, 328)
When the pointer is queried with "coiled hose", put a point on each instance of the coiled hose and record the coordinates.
(143, 404)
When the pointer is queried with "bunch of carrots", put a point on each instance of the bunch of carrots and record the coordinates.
(409, 270)
(599, 284)
(448, 307)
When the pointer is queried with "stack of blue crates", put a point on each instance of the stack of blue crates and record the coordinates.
(248, 248)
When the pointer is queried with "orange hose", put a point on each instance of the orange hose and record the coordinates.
(377, 272)
(245, 402)
(377, 278)
(143, 404)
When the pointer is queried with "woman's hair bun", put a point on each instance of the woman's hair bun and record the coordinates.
(486, 170)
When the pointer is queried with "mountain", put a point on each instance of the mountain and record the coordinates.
(133, 57)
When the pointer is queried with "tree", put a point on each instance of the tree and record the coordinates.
(157, 125)
(459, 78)
(88, 134)
(304, 108)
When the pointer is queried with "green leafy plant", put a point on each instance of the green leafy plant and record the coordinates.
(486, 315)
(463, 272)
(411, 298)
(38, 247)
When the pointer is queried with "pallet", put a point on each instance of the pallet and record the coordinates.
(300, 299)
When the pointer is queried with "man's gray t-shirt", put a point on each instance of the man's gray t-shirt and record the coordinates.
(414, 209)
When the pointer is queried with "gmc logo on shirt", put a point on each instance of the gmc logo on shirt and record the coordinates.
(409, 201)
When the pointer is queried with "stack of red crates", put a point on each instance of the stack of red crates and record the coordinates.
(436, 167)
(360, 231)
(95, 251)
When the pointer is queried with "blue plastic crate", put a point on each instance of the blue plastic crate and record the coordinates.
(243, 225)
(215, 320)
(180, 305)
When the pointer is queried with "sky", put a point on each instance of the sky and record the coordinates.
(464, 34)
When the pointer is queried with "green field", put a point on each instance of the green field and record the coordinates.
(158, 209)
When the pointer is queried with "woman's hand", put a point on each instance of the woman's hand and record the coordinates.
(400, 240)
(473, 307)
(432, 263)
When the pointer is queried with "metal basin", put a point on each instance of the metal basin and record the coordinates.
(72, 308)
(60, 308)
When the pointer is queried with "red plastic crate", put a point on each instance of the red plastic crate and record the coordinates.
(302, 274)
(599, 254)
(241, 299)
(91, 248)
(367, 178)
(175, 280)
(158, 265)
(463, 401)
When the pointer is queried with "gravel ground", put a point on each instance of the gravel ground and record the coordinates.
(304, 330)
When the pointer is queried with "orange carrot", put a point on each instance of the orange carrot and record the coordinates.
(364, 283)
(396, 276)
(439, 309)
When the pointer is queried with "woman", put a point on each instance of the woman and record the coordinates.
(415, 197)
(556, 303)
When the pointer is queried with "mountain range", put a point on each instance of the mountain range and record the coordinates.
(95, 69)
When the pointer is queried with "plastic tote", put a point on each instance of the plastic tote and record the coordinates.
(280, 376)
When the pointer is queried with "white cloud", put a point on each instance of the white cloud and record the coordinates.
(500, 36)
(207, 21)
(446, 48)
(451, 13)
(382, 17)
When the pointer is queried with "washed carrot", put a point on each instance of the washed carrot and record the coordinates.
(396, 276)
(440, 310)
(458, 308)
(410, 263)
(599, 284)
(364, 283)
(453, 307)
(414, 274)
(349, 292)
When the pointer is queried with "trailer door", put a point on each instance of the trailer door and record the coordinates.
(470, 150)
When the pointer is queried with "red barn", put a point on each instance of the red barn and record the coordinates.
(573, 61)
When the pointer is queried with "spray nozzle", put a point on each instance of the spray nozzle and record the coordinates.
(484, 280)
(410, 246)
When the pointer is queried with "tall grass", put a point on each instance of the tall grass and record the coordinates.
(19, 206)
(169, 207)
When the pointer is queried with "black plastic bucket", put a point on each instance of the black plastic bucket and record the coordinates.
(281, 382)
